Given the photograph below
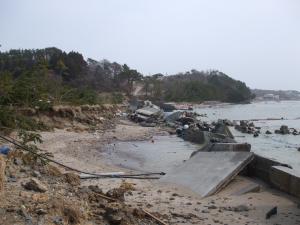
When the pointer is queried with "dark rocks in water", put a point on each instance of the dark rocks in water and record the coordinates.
(251, 124)
(294, 131)
(243, 123)
(268, 132)
(248, 128)
(284, 129)
(299, 149)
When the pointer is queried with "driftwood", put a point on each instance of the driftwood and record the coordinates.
(107, 198)
(154, 217)
(2, 172)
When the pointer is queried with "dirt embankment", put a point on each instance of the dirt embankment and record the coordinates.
(76, 118)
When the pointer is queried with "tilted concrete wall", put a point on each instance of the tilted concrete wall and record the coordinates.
(285, 179)
(276, 174)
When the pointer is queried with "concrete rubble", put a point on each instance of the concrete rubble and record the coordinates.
(220, 158)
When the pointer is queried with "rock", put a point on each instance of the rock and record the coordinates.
(114, 219)
(18, 161)
(95, 189)
(36, 174)
(241, 208)
(35, 185)
(72, 179)
(41, 212)
(255, 134)
(112, 213)
(24, 213)
(268, 132)
(205, 211)
(2, 172)
(251, 124)
(117, 193)
(284, 129)
(243, 123)
(272, 212)
(58, 221)
(299, 149)
(212, 207)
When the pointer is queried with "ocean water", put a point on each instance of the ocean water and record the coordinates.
(282, 148)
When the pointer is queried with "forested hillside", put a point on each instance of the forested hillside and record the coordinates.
(42, 77)
(211, 85)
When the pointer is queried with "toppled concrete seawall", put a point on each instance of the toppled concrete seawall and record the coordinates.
(278, 175)
(285, 179)
(207, 172)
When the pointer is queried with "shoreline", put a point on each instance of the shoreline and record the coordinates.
(180, 204)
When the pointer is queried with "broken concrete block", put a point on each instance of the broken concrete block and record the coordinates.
(35, 185)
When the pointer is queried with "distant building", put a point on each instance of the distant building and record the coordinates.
(271, 97)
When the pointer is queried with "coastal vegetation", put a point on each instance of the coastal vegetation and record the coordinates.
(42, 78)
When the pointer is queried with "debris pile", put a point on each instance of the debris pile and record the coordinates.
(148, 115)
(36, 193)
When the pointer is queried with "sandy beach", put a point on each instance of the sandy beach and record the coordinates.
(177, 205)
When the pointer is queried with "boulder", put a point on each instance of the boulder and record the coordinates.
(268, 132)
(35, 185)
(284, 129)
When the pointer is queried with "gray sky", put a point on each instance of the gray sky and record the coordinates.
(256, 41)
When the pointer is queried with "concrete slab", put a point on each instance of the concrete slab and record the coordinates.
(207, 172)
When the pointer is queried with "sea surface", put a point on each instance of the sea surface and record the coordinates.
(283, 148)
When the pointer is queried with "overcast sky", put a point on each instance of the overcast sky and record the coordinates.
(256, 41)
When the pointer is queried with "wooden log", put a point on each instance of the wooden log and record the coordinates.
(2, 172)
(154, 217)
